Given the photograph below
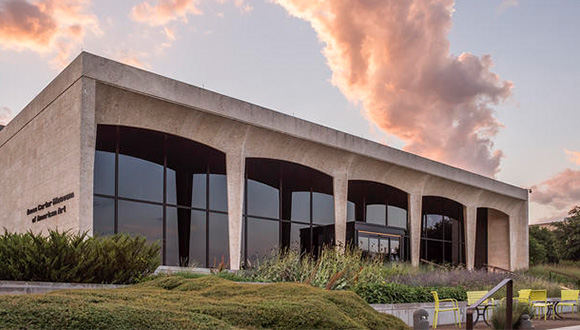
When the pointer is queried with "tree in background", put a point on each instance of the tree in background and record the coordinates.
(567, 234)
(542, 246)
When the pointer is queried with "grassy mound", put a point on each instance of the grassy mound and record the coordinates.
(203, 303)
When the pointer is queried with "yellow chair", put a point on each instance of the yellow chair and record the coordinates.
(473, 297)
(569, 298)
(539, 300)
(454, 307)
(524, 296)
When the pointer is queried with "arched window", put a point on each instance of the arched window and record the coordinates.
(442, 234)
(378, 219)
(288, 206)
(167, 188)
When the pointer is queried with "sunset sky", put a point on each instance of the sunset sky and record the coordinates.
(489, 86)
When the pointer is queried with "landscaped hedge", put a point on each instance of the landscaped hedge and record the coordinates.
(395, 293)
(77, 258)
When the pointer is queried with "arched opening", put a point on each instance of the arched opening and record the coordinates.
(377, 219)
(442, 231)
(167, 188)
(492, 245)
(287, 206)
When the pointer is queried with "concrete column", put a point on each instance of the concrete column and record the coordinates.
(513, 221)
(340, 184)
(415, 217)
(235, 167)
(470, 216)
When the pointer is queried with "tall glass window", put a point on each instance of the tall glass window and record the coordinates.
(380, 215)
(442, 234)
(167, 188)
(287, 206)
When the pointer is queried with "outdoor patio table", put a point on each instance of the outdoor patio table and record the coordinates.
(552, 304)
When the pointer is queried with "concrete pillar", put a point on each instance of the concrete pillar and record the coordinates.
(470, 216)
(235, 167)
(415, 218)
(513, 220)
(340, 184)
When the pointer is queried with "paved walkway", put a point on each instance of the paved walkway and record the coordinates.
(571, 323)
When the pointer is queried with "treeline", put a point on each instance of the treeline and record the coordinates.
(561, 243)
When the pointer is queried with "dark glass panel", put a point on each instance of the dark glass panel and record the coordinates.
(141, 164)
(195, 241)
(395, 250)
(300, 237)
(103, 216)
(140, 179)
(171, 187)
(263, 200)
(377, 214)
(218, 239)
(301, 206)
(322, 209)
(435, 251)
(448, 228)
(106, 138)
(141, 219)
(218, 197)
(199, 198)
(449, 254)
(397, 217)
(434, 226)
(104, 174)
(350, 211)
(423, 249)
(263, 238)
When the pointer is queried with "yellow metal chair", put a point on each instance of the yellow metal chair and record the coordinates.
(473, 297)
(454, 307)
(539, 300)
(569, 298)
(524, 296)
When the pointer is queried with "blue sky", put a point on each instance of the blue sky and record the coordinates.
(272, 58)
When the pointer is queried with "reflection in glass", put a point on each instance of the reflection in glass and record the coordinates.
(195, 242)
(103, 216)
(218, 240)
(373, 245)
(350, 211)
(144, 156)
(263, 200)
(363, 243)
(104, 173)
(377, 214)
(141, 219)
(397, 217)
(263, 238)
(300, 237)
(199, 198)
(218, 197)
(301, 206)
(140, 179)
(322, 209)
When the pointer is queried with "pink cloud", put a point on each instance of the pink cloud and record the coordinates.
(561, 192)
(5, 115)
(573, 156)
(46, 26)
(392, 57)
(164, 11)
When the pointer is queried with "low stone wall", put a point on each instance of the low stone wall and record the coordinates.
(21, 287)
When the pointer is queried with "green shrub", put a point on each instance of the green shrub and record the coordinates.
(395, 293)
(208, 302)
(498, 320)
(67, 257)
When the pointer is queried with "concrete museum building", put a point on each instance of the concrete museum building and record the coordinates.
(109, 148)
